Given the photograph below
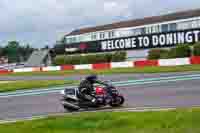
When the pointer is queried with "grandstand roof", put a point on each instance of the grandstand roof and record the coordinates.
(139, 22)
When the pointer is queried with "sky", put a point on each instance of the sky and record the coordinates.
(42, 22)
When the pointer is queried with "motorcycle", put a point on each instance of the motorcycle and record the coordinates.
(105, 95)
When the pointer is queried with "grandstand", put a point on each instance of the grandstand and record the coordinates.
(39, 58)
(135, 36)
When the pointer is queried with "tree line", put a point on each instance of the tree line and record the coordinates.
(15, 52)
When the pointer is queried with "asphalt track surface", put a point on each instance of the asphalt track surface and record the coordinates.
(113, 77)
(168, 94)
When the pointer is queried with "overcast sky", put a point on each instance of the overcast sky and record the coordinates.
(42, 22)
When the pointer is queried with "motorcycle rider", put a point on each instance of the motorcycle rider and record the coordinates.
(86, 88)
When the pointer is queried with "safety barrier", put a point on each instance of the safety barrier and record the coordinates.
(174, 62)
(195, 60)
(2, 71)
(67, 67)
(143, 63)
(81, 67)
(122, 64)
(24, 70)
(101, 66)
(51, 68)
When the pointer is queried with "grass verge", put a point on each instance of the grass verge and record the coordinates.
(23, 85)
(113, 71)
(177, 121)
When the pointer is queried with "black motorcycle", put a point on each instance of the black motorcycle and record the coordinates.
(105, 95)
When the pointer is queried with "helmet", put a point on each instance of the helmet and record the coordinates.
(92, 78)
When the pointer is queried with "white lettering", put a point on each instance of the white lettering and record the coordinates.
(162, 40)
(109, 43)
(128, 43)
(196, 35)
(109, 46)
(181, 37)
(121, 43)
(189, 37)
(169, 39)
(104, 45)
(133, 42)
(146, 41)
(175, 38)
(155, 40)
(140, 41)
(116, 44)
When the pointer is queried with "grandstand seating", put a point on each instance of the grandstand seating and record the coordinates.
(39, 58)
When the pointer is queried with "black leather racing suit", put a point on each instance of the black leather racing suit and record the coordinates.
(86, 88)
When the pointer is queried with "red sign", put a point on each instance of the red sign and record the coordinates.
(83, 46)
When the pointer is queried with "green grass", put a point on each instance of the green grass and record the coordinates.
(114, 71)
(178, 121)
(23, 85)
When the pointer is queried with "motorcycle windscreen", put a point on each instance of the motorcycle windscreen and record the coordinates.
(70, 91)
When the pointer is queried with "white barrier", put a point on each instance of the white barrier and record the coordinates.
(17, 70)
(122, 64)
(174, 62)
(51, 68)
(161, 62)
(80, 67)
(23, 70)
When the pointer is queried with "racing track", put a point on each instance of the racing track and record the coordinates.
(113, 77)
(165, 94)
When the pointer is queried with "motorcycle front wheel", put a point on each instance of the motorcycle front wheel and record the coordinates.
(119, 101)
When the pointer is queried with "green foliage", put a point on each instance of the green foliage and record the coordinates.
(59, 60)
(119, 56)
(89, 59)
(174, 121)
(165, 55)
(157, 54)
(196, 49)
(2, 51)
(15, 52)
(24, 85)
(179, 51)
(12, 50)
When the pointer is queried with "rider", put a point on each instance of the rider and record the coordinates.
(86, 88)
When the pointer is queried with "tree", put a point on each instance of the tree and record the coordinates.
(2, 53)
(17, 53)
(196, 51)
(154, 54)
(12, 51)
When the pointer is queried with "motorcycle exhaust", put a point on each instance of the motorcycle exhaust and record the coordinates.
(70, 105)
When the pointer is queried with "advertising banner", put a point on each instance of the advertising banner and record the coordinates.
(159, 40)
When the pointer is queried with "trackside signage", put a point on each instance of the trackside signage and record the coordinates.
(151, 41)
(159, 40)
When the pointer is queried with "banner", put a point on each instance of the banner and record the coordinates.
(159, 40)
